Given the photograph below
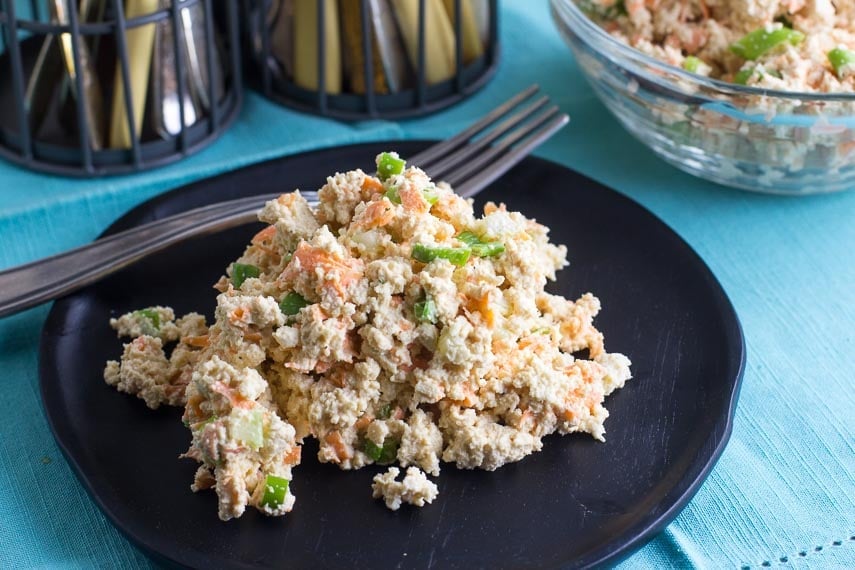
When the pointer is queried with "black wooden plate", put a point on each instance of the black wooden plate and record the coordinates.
(578, 502)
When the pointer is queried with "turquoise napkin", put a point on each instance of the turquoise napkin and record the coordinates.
(782, 494)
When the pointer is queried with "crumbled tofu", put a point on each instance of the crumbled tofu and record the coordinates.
(414, 488)
(705, 30)
(336, 328)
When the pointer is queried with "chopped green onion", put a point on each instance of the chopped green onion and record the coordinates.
(250, 429)
(743, 76)
(692, 64)
(608, 12)
(480, 247)
(430, 195)
(243, 271)
(425, 310)
(292, 303)
(468, 238)
(275, 489)
(841, 59)
(382, 455)
(760, 41)
(456, 255)
(151, 316)
(393, 195)
(489, 249)
(385, 412)
(389, 164)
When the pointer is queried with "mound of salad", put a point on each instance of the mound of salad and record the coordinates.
(789, 45)
(386, 321)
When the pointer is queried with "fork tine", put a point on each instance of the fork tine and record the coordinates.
(439, 150)
(492, 165)
(492, 154)
(449, 163)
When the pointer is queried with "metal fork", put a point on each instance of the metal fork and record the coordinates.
(469, 162)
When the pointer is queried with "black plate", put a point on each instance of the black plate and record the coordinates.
(578, 502)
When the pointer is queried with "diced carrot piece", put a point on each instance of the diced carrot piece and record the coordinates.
(197, 341)
(341, 273)
(293, 456)
(264, 235)
(371, 185)
(413, 200)
(375, 215)
(237, 315)
(341, 449)
(363, 422)
(485, 310)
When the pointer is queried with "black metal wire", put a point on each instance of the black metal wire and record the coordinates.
(416, 98)
(421, 85)
(322, 57)
(83, 122)
(124, 70)
(265, 45)
(17, 140)
(458, 47)
(368, 59)
(14, 48)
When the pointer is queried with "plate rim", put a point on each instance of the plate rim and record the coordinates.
(612, 552)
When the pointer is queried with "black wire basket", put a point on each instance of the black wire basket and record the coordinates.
(362, 87)
(96, 87)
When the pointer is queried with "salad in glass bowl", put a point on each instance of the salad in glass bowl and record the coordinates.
(756, 94)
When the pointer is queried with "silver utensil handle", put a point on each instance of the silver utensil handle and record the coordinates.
(28, 285)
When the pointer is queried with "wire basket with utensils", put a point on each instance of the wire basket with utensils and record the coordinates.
(94, 87)
(355, 59)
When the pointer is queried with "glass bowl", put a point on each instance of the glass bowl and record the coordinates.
(756, 139)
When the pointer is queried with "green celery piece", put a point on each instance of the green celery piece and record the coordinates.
(243, 271)
(610, 13)
(250, 430)
(388, 165)
(151, 315)
(292, 303)
(430, 195)
(275, 489)
(382, 455)
(389, 452)
(425, 310)
(469, 238)
(489, 249)
(760, 41)
(692, 64)
(480, 247)
(841, 57)
(743, 76)
(372, 450)
(456, 255)
(393, 195)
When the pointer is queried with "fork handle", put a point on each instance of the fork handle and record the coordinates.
(34, 283)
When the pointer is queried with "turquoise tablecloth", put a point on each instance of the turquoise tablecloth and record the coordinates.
(782, 493)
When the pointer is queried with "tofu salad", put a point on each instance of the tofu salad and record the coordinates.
(388, 322)
(788, 45)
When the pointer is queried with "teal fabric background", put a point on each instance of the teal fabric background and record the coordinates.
(782, 494)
